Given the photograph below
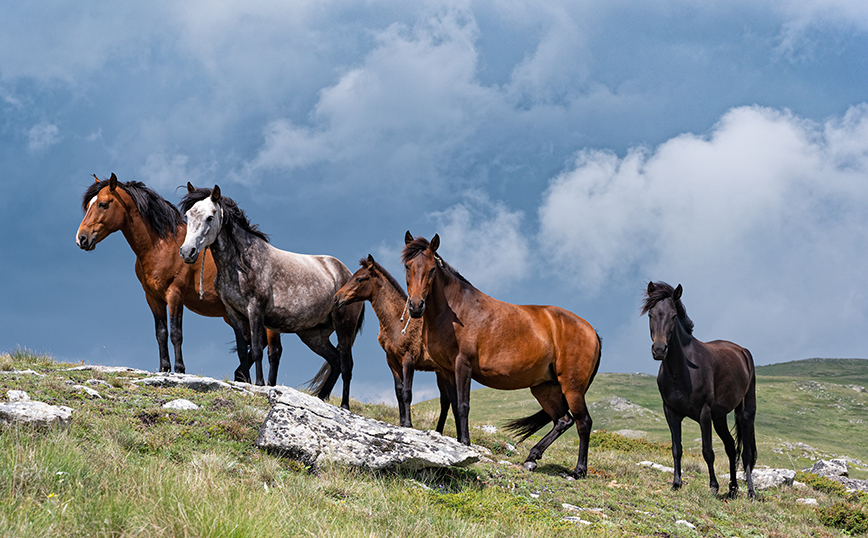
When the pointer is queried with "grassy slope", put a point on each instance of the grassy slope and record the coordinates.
(817, 402)
(127, 467)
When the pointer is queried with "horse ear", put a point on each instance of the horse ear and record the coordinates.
(96, 179)
(370, 259)
(435, 243)
(677, 294)
(215, 194)
(408, 238)
(190, 188)
(113, 182)
(650, 288)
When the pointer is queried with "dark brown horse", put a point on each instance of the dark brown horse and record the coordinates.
(400, 339)
(550, 350)
(155, 230)
(704, 381)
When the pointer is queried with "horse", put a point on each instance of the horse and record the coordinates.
(401, 341)
(704, 381)
(153, 227)
(263, 287)
(504, 346)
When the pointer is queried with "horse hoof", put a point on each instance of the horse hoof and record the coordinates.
(529, 465)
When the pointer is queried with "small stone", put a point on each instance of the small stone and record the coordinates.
(17, 396)
(180, 404)
(686, 523)
(809, 501)
(87, 390)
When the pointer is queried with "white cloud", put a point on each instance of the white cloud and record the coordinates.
(42, 136)
(483, 240)
(763, 220)
(165, 172)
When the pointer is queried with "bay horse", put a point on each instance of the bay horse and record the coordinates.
(704, 381)
(504, 346)
(154, 228)
(264, 287)
(401, 341)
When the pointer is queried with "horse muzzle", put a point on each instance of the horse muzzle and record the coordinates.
(189, 254)
(86, 242)
(659, 350)
(416, 309)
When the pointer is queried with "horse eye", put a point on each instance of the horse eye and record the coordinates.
(210, 218)
(361, 279)
(102, 205)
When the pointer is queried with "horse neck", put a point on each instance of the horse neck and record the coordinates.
(389, 305)
(227, 248)
(139, 233)
(676, 360)
(445, 285)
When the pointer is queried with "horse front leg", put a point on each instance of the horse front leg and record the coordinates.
(158, 309)
(242, 344)
(674, 421)
(462, 399)
(176, 332)
(722, 429)
(407, 392)
(707, 449)
(275, 350)
(257, 341)
(445, 402)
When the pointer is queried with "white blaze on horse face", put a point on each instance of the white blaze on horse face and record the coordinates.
(204, 221)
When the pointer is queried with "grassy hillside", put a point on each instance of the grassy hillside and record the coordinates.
(128, 467)
(806, 410)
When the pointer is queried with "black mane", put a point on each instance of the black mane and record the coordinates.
(419, 245)
(156, 210)
(663, 291)
(232, 214)
(369, 262)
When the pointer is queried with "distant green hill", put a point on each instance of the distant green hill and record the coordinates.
(806, 410)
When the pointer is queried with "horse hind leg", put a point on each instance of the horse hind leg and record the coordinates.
(158, 309)
(721, 427)
(745, 415)
(347, 322)
(317, 339)
(554, 404)
(579, 409)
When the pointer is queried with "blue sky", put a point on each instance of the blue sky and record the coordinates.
(566, 154)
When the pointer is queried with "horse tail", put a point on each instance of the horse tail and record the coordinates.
(316, 384)
(599, 356)
(527, 426)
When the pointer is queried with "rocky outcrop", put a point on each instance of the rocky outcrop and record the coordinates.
(20, 409)
(765, 477)
(304, 428)
(838, 470)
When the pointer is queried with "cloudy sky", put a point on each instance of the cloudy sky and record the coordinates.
(567, 152)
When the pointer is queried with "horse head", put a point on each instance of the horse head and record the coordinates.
(360, 286)
(420, 263)
(204, 221)
(104, 213)
(662, 306)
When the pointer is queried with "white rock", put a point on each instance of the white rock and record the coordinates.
(830, 468)
(181, 404)
(195, 382)
(809, 501)
(37, 413)
(107, 369)
(686, 523)
(765, 478)
(314, 432)
(657, 466)
(17, 396)
(87, 390)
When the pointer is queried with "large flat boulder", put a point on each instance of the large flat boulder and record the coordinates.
(20, 409)
(307, 429)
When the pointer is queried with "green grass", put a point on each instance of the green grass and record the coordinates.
(128, 467)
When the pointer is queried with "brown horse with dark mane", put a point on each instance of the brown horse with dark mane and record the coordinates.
(704, 381)
(155, 230)
(504, 346)
(402, 341)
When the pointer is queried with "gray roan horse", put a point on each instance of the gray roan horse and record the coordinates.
(262, 286)
(704, 381)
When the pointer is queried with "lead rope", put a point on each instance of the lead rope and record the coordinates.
(406, 306)
(202, 275)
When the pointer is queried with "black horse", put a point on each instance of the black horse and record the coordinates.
(704, 381)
